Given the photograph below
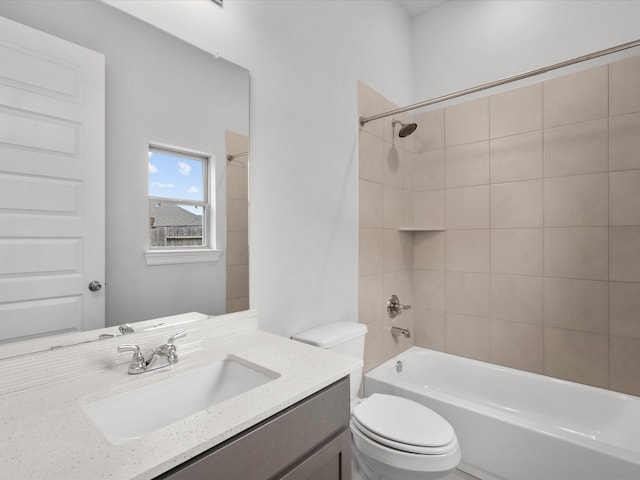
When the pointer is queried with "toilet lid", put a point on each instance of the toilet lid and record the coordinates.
(402, 420)
(404, 447)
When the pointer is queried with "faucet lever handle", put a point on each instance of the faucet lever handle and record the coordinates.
(129, 348)
(176, 336)
(125, 328)
(169, 348)
(138, 363)
(394, 307)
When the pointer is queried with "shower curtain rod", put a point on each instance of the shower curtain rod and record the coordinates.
(497, 83)
(232, 157)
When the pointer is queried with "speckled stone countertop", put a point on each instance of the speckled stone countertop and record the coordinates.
(45, 433)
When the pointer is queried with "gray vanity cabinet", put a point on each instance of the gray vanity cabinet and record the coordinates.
(307, 441)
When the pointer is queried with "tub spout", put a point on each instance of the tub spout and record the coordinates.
(396, 331)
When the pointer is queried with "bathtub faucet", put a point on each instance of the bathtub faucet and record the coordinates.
(398, 331)
(394, 307)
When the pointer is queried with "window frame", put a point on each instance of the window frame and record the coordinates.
(207, 252)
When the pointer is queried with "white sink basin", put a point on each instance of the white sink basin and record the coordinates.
(129, 415)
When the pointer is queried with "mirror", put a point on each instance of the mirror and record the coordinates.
(160, 90)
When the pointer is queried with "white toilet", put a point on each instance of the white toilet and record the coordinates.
(393, 438)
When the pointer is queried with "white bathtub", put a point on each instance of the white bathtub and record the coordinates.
(515, 425)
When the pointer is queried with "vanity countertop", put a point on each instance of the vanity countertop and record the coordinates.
(47, 435)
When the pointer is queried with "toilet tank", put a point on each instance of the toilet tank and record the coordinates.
(342, 337)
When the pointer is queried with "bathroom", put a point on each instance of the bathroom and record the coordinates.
(305, 145)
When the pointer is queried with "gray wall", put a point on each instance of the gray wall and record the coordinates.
(159, 89)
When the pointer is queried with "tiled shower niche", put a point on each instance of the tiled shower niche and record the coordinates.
(538, 189)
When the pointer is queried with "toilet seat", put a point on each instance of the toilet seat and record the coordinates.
(403, 425)
(404, 447)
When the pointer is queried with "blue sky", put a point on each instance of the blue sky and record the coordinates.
(175, 177)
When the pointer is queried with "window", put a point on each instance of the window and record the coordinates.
(180, 212)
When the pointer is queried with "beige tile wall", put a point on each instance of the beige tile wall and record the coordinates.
(237, 224)
(385, 203)
(539, 191)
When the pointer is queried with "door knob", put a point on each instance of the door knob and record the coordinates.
(95, 286)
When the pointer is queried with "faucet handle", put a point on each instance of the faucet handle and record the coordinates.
(169, 348)
(394, 307)
(176, 336)
(125, 328)
(129, 347)
(138, 363)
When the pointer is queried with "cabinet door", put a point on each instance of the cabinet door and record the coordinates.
(332, 461)
(273, 446)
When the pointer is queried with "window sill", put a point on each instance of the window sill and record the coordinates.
(172, 257)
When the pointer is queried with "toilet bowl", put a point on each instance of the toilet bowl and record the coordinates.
(393, 438)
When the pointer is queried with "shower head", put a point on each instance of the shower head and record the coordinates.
(406, 129)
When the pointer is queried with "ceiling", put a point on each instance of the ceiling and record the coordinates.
(417, 7)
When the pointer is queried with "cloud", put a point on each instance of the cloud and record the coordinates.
(152, 168)
(184, 168)
(163, 185)
(192, 190)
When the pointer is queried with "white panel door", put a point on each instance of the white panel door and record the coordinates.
(51, 184)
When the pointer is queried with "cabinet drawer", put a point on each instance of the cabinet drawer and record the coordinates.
(274, 444)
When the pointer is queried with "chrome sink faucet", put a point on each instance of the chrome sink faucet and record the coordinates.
(140, 365)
